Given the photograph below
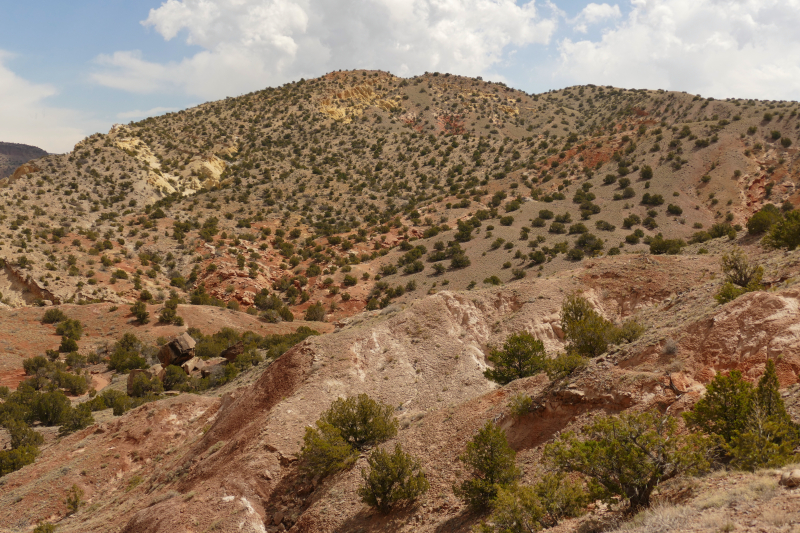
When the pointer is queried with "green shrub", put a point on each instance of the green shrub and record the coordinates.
(722, 411)
(45, 528)
(348, 426)
(785, 233)
(674, 210)
(361, 420)
(174, 378)
(75, 360)
(69, 328)
(75, 385)
(515, 509)
(392, 478)
(564, 364)
(763, 220)
(722, 229)
(169, 314)
(50, 408)
(740, 276)
(126, 355)
(526, 509)
(67, 345)
(629, 455)
(522, 355)
(16, 458)
(31, 365)
(660, 245)
(21, 434)
(73, 499)
(325, 451)
(628, 332)
(738, 270)
(121, 404)
(729, 292)
(142, 385)
(589, 333)
(459, 260)
(53, 316)
(575, 254)
(491, 461)
(750, 425)
(520, 404)
(247, 360)
(560, 498)
(315, 312)
(77, 418)
(139, 311)
(104, 400)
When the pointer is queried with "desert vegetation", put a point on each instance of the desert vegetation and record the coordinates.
(527, 304)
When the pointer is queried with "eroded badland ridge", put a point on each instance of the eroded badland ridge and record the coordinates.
(413, 224)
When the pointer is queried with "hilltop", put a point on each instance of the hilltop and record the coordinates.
(413, 224)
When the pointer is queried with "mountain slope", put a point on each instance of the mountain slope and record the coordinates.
(426, 220)
(370, 160)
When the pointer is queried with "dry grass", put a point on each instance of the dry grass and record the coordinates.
(779, 517)
(661, 518)
(760, 486)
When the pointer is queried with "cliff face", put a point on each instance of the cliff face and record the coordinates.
(13, 155)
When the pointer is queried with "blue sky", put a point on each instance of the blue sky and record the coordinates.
(69, 69)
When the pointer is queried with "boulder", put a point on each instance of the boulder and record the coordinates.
(177, 351)
(211, 364)
(195, 363)
(233, 352)
(791, 478)
(159, 371)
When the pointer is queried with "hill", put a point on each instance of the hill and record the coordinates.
(370, 160)
(13, 155)
(415, 224)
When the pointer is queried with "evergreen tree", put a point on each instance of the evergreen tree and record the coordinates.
(629, 455)
(723, 410)
(491, 460)
(751, 425)
(522, 355)
(392, 478)
(767, 393)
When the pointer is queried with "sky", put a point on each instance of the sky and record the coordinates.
(70, 69)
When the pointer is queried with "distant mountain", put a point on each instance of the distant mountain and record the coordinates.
(13, 155)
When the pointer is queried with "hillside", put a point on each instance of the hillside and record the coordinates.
(370, 160)
(414, 224)
(14, 155)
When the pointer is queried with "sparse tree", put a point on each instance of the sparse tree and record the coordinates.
(325, 451)
(522, 355)
(139, 311)
(491, 461)
(629, 455)
(393, 477)
(361, 420)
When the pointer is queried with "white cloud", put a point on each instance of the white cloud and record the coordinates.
(249, 44)
(27, 119)
(720, 48)
(594, 13)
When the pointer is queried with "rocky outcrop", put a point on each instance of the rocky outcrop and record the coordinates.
(30, 284)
